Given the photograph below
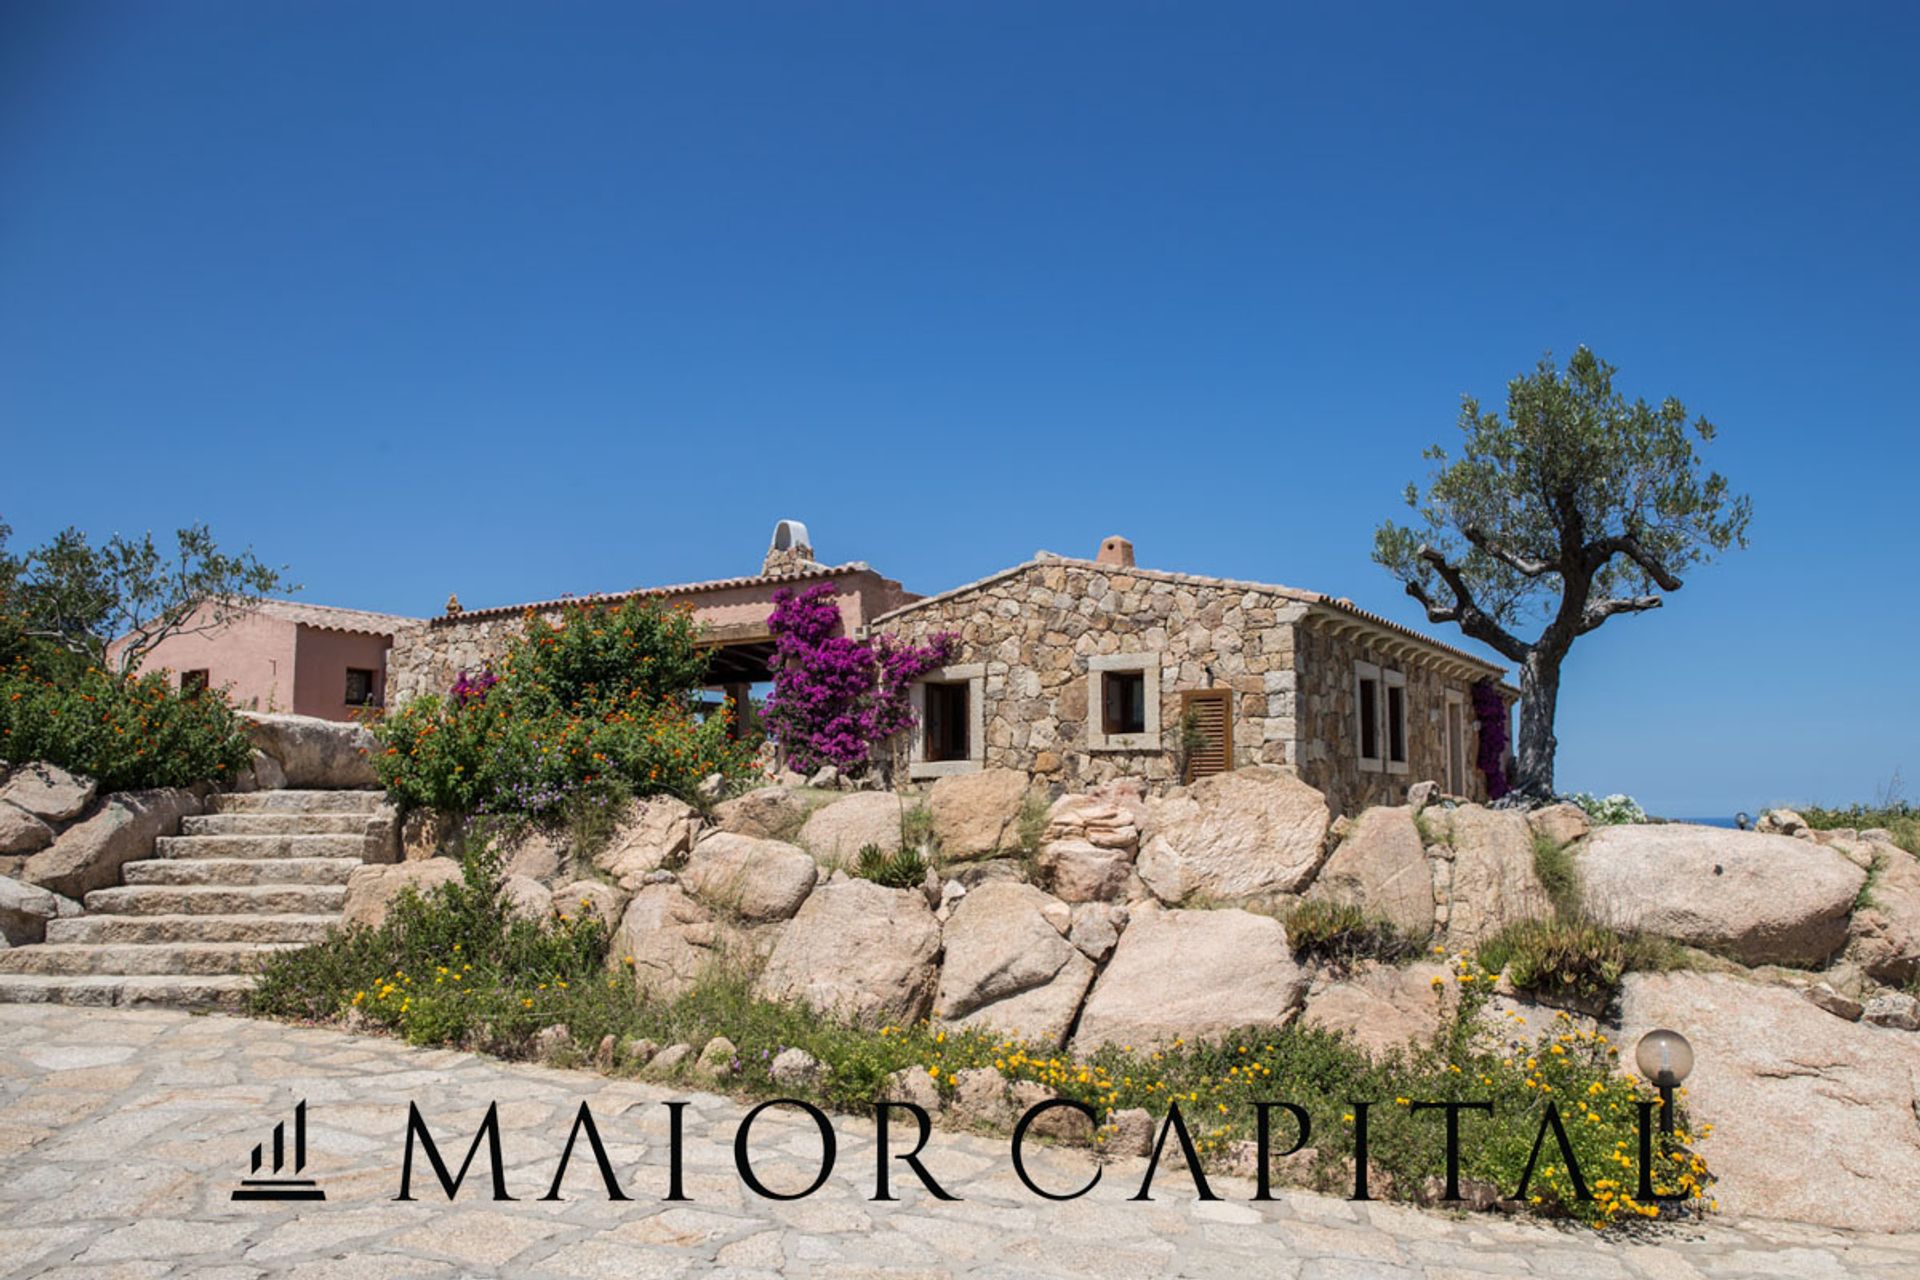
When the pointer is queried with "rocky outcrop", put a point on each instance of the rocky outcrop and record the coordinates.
(372, 890)
(88, 855)
(1762, 899)
(671, 941)
(1235, 836)
(314, 753)
(836, 833)
(1560, 823)
(1381, 867)
(859, 951)
(1813, 1116)
(21, 832)
(1381, 1006)
(656, 832)
(1192, 974)
(1079, 871)
(1885, 933)
(748, 879)
(975, 815)
(769, 813)
(48, 792)
(1009, 967)
(1486, 871)
(25, 910)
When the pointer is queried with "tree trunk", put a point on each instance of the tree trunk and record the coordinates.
(1539, 694)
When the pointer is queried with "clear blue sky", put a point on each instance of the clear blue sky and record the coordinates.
(514, 299)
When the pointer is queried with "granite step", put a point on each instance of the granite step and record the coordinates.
(269, 846)
(283, 824)
(217, 900)
(195, 959)
(248, 871)
(367, 802)
(164, 929)
(212, 991)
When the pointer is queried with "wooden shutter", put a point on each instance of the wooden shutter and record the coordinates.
(1212, 710)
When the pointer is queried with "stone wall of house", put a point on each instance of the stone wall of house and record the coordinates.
(428, 657)
(1328, 717)
(1035, 630)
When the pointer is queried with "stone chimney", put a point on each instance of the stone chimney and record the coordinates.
(1116, 551)
(791, 551)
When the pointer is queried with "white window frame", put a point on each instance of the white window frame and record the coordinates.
(1146, 665)
(1389, 680)
(974, 676)
(1363, 672)
(1456, 764)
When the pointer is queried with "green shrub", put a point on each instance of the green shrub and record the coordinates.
(903, 870)
(1609, 811)
(125, 734)
(1900, 819)
(598, 705)
(916, 827)
(1342, 934)
(1574, 959)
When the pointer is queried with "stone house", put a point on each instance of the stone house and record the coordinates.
(1083, 671)
(285, 655)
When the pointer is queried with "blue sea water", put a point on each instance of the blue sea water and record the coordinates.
(1708, 822)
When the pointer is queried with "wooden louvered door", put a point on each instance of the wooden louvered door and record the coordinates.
(1212, 714)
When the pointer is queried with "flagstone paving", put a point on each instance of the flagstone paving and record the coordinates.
(123, 1132)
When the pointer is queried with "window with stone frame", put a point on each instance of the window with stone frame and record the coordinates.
(1380, 718)
(949, 722)
(1123, 702)
(945, 729)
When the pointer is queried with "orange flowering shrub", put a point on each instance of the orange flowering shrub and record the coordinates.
(124, 733)
(600, 701)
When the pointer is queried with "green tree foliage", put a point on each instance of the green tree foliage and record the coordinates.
(1575, 507)
(81, 598)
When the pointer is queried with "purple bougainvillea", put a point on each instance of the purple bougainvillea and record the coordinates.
(471, 690)
(1491, 709)
(836, 698)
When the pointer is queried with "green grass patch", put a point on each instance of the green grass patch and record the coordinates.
(905, 869)
(1901, 820)
(1575, 960)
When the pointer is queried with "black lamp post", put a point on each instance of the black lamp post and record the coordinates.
(1665, 1058)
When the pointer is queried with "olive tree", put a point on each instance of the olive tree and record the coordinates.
(1574, 508)
(111, 604)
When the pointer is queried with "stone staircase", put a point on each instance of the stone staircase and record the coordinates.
(259, 872)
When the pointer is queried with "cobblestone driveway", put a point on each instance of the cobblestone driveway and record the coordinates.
(122, 1133)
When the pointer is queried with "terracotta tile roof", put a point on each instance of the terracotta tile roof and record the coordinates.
(1337, 603)
(814, 574)
(327, 617)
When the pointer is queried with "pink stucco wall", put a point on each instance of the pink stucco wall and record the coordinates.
(320, 670)
(252, 658)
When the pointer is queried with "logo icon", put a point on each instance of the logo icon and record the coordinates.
(278, 1188)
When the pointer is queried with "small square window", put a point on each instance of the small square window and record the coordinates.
(1123, 702)
(195, 682)
(359, 686)
(945, 722)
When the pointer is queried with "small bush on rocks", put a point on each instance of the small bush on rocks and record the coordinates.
(1574, 959)
(1341, 934)
(1608, 811)
(1900, 820)
(903, 870)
